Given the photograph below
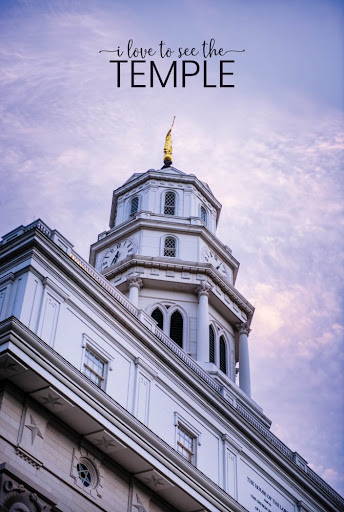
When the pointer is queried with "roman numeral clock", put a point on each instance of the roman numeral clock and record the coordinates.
(211, 257)
(118, 252)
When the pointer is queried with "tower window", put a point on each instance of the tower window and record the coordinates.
(176, 328)
(223, 355)
(170, 247)
(203, 215)
(94, 367)
(211, 345)
(170, 203)
(134, 206)
(186, 444)
(158, 317)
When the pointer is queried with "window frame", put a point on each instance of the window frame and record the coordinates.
(91, 470)
(165, 237)
(82, 456)
(174, 192)
(212, 328)
(182, 448)
(168, 308)
(225, 343)
(180, 423)
(163, 317)
(131, 199)
(172, 312)
(89, 345)
(229, 339)
(203, 208)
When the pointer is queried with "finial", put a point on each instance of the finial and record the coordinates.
(168, 147)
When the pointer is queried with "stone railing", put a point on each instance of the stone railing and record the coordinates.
(37, 224)
(241, 408)
(265, 431)
(191, 363)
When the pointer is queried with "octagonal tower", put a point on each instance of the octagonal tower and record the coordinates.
(163, 253)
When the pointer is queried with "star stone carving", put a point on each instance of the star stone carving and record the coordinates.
(35, 431)
(104, 443)
(52, 400)
(155, 481)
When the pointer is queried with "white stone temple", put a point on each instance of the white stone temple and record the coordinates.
(125, 380)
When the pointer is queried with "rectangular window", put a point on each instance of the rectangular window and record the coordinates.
(186, 444)
(94, 367)
(170, 203)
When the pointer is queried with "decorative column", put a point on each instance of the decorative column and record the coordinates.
(203, 322)
(135, 283)
(244, 359)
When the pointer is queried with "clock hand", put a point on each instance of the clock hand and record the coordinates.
(115, 258)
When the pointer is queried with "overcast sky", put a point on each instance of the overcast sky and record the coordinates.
(271, 149)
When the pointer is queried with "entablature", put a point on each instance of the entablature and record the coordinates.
(186, 274)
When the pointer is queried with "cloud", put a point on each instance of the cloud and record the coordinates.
(271, 152)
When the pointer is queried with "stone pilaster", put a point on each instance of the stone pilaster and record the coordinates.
(203, 322)
(135, 283)
(244, 359)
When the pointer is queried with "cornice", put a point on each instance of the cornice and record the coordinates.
(185, 266)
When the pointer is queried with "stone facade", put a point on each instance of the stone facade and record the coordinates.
(42, 455)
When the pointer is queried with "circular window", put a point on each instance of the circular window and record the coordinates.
(87, 473)
(84, 474)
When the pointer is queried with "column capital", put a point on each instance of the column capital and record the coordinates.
(243, 328)
(134, 280)
(203, 289)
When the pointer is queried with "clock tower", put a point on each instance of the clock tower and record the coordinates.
(163, 253)
(125, 383)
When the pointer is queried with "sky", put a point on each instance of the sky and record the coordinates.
(271, 149)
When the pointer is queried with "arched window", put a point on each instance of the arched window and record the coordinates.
(170, 203)
(158, 317)
(203, 215)
(176, 328)
(170, 247)
(134, 206)
(223, 355)
(211, 345)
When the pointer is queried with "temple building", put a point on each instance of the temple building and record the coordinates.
(125, 380)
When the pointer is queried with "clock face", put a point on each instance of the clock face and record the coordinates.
(211, 257)
(117, 253)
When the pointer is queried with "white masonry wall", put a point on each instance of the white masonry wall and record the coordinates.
(152, 244)
(53, 306)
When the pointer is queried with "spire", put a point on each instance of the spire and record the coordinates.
(168, 147)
